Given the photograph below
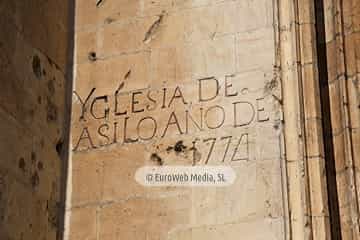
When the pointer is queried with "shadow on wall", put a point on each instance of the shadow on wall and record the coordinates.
(36, 81)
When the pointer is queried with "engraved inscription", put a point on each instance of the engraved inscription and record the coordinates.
(144, 115)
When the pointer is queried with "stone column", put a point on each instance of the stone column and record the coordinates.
(342, 25)
(35, 46)
(167, 83)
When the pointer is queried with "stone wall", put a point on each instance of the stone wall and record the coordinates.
(270, 88)
(34, 45)
(341, 43)
(175, 83)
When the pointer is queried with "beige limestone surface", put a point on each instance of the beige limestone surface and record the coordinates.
(175, 83)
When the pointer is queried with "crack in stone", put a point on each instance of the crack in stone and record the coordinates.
(153, 28)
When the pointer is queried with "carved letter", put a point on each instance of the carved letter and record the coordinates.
(250, 119)
(106, 110)
(116, 106)
(135, 102)
(228, 86)
(197, 125)
(259, 110)
(126, 139)
(83, 103)
(222, 117)
(149, 107)
(172, 120)
(177, 94)
(84, 135)
(153, 130)
(101, 133)
(215, 94)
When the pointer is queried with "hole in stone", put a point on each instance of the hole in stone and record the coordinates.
(59, 147)
(92, 56)
(22, 164)
(33, 156)
(109, 20)
(36, 66)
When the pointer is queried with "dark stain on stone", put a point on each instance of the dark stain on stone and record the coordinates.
(39, 99)
(156, 158)
(59, 147)
(2, 181)
(121, 86)
(153, 28)
(50, 61)
(127, 75)
(36, 66)
(40, 165)
(32, 113)
(51, 86)
(33, 157)
(22, 164)
(44, 72)
(92, 56)
(52, 209)
(35, 180)
(179, 147)
(271, 85)
(109, 20)
(2, 198)
(51, 111)
(277, 99)
(196, 154)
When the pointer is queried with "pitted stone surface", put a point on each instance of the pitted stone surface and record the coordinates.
(175, 83)
(32, 108)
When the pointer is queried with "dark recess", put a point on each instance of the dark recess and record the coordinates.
(63, 146)
(326, 121)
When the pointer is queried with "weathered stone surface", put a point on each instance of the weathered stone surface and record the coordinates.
(175, 83)
(33, 65)
(180, 82)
